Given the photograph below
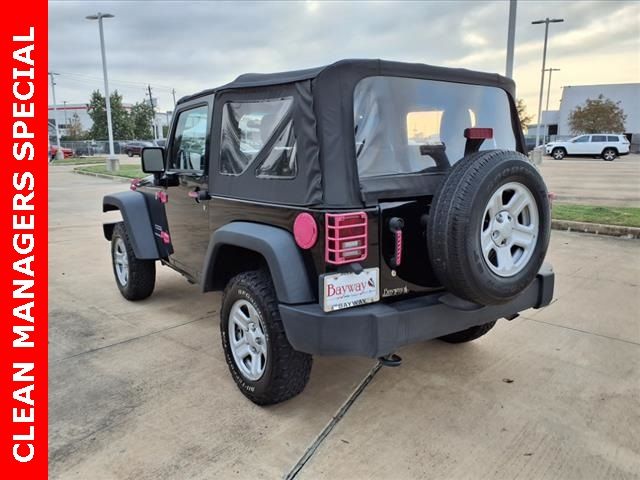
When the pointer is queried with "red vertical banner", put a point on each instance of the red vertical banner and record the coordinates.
(23, 240)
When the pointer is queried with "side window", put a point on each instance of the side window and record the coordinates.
(582, 139)
(247, 127)
(189, 142)
(598, 138)
(281, 161)
(613, 138)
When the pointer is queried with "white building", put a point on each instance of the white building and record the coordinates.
(556, 122)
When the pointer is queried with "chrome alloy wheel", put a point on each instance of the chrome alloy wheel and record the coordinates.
(121, 262)
(247, 340)
(509, 230)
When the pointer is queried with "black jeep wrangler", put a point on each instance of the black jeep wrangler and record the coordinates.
(344, 210)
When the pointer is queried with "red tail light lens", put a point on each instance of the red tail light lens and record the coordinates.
(478, 133)
(345, 237)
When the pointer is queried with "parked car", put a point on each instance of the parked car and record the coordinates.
(605, 145)
(67, 152)
(135, 148)
(333, 228)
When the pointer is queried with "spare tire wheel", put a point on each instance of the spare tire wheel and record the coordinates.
(489, 225)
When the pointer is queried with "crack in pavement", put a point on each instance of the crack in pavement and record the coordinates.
(311, 450)
(581, 331)
(128, 340)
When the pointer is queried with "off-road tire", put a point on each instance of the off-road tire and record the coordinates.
(455, 220)
(609, 154)
(469, 334)
(142, 273)
(558, 153)
(286, 370)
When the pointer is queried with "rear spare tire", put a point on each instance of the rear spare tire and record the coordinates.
(489, 225)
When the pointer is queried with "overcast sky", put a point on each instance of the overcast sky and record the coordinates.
(191, 46)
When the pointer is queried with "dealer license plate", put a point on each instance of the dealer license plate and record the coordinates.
(344, 290)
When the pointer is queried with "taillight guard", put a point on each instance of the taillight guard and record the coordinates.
(345, 237)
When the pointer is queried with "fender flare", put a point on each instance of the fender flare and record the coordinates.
(135, 214)
(278, 248)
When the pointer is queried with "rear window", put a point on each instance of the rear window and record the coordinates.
(405, 125)
(613, 138)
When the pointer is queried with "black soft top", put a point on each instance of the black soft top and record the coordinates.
(324, 125)
(363, 68)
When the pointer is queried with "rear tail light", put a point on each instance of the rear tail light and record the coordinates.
(345, 237)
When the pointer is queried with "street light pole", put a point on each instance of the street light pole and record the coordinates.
(511, 37)
(546, 22)
(59, 154)
(66, 122)
(112, 160)
(550, 70)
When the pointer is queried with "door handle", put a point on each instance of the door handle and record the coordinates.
(199, 195)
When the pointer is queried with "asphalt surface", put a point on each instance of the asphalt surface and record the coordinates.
(141, 390)
(592, 181)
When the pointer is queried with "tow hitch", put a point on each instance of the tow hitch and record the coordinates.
(391, 360)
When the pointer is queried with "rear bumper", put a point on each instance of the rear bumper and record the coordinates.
(378, 329)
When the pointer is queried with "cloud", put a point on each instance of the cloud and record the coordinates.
(191, 46)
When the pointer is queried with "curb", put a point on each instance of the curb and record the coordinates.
(596, 228)
(104, 175)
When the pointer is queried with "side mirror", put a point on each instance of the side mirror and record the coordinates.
(152, 160)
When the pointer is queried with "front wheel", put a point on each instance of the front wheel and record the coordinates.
(129, 153)
(135, 278)
(262, 362)
(558, 153)
(609, 154)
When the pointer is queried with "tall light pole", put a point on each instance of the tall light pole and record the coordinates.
(66, 122)
(59, 154)
(511, 37)
(546, 22)
(550, 70)
(112, 160)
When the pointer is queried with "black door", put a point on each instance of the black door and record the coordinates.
(187, 206)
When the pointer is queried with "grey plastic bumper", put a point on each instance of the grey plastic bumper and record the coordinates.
(381, 328)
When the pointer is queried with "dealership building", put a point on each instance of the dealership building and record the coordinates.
(556, 122)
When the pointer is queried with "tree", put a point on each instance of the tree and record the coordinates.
(525, 119)
(120, 118)
(601, 115)
(74, 129)
(141, 118)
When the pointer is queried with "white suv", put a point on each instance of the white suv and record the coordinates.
(605, 145)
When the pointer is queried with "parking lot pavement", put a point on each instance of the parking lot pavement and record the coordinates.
(141, 390)
(593, 181)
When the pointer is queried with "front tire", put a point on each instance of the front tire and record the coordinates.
(262, 362)
(609, 154)
(558, 153)
(469, 334)
(129, 153)
(135, 278)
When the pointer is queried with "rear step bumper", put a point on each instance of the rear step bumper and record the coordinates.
(381, 328)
